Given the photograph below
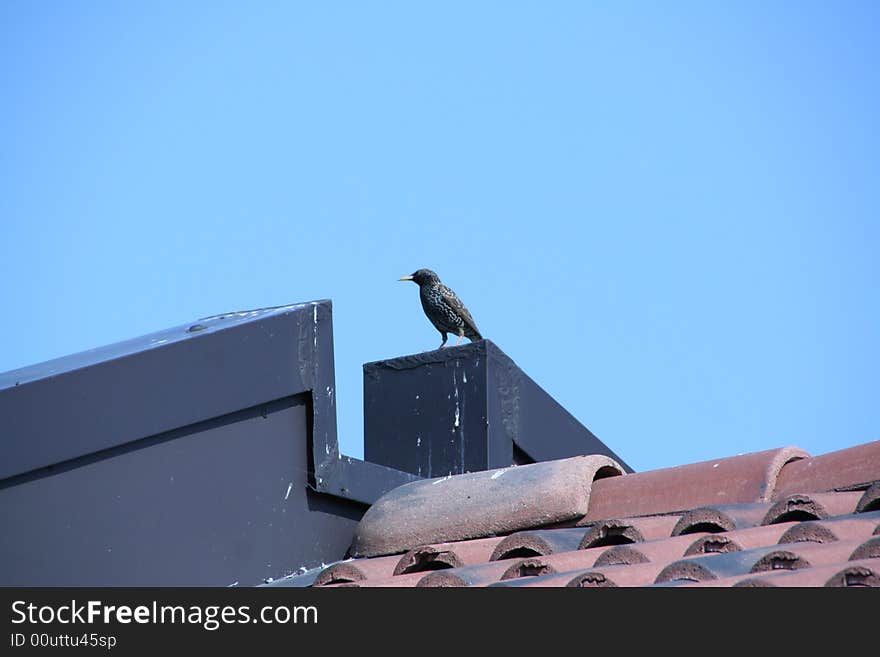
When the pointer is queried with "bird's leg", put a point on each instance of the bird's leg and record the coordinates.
(443, 333)
(460, 336)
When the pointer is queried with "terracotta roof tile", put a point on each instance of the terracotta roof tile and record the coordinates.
(819, 554)
(815, 506)
(618, 575)
(870, 500)
(842, 528)
(468, 576)
(410, 580)
(554, 563)
(736, 479)
(658, 551)
(863, 572)
(869, 549)
(558, 580)
(738, 540)
(789, 556)
(356, 570)
(479, 504)
(857, 573)
(628, 530)
(706, 524)
(538, 542)
(438, 556)
(721, 518)
(845, 468)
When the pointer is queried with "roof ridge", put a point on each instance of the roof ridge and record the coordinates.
(480, 504)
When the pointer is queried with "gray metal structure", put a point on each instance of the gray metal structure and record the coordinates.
(207, 455)
(198, 455)
(465, 409)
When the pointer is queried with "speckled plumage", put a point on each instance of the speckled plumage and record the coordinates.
(443, 307)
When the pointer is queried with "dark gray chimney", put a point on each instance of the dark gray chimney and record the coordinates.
(463, 409)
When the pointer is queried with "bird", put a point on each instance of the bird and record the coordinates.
(443, 307)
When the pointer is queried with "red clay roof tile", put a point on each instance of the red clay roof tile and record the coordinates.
(356, 570)
(735, 479)
(446, 555)
(790, 556)
(529, 568)
(554, 563)
(640, 574)
(628, 530)
(864, 572)
(558, 580)
(409, 580)
(480, 575)
(842, 469)
(815, 506)
(842, 528)
(809, 537)
(716, 566)
(852, 573)
(657, 551)
(869, 549)
(806, 553)
(479, 504)
(738, 540)
(538, 542)
(721, 518)
(590, 579)
(870, 500)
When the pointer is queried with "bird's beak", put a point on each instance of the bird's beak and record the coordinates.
(405, 278)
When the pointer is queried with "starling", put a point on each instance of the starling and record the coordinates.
(445, 310)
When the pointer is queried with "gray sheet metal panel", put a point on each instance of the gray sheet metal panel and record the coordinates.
(102, 398)
(83, 403)
(199, 455)
(217, 503)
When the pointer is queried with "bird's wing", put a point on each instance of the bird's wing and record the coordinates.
(455, 303)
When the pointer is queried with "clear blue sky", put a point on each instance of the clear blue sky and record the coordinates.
(665, 213)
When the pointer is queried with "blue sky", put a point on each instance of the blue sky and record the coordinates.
(666, 214)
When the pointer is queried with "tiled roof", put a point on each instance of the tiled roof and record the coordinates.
(772, 518)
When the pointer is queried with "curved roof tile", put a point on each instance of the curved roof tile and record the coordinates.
(480, 504)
